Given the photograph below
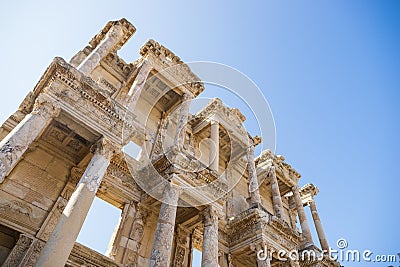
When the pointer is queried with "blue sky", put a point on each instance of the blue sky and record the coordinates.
(329, 70)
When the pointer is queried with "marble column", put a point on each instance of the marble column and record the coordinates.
(302, 216)
(164, 235)
(61, 241)
(209, 256)
(255, 198)
(15, 144)
(276, 194)
(214, 146)
(318, 226)
(113, 36)
(263, 262)
(262, 255)
(138, 84)
(183, 120)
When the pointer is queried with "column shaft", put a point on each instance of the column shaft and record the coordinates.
(164, 235)
(183, 120)
(214, 146)
(263, 263)
(255, 198)
(112, 37)
(302, 216)
(137, 86)
(276, 194)
(15, 144)
(262, 255)
(61, 241)
(210, 239)
(318, 226)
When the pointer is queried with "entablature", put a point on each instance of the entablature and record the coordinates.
(171, 67)
(258, 224)
(286, 174)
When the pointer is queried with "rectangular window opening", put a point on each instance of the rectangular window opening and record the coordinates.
(99, 226)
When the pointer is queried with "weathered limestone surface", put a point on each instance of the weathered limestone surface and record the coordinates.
(14, 145)
(214, 145)
(276, 194)
(137, 86)
(253, 180)
(163, 237)
(111, 39)
(62, 148)
(302, 216)
(318, 226)
(182, 121)
(210, 238)
(61, 241)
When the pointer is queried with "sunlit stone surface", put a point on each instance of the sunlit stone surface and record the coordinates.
(196, 184)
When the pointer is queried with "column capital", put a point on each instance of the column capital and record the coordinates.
(271, 170)
(187, 95)
(214, 121)
(209, 216)
(105, 147)
(116, 31)
(45, 107)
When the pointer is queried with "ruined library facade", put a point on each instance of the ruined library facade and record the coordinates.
(195, 185)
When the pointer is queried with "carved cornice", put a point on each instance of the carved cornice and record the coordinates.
(256, 222)
(127, 28)
(307, 193)
(171, 63)
(309, 189)
(285, 171)
(118, 64)
(74, 88)
(215, 106)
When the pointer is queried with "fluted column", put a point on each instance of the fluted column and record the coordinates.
(138, 84)
(14, 145)
(210, 238)
(255, 198)
(276, 194)
(113, 36)
(214, 146)
(302, 216)
(183, 120)
(318, 226)
(164, 235)
(61, 241)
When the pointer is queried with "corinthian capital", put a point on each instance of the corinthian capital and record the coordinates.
(116, 31)
(105, 148)
(209, 216)
(45, 107)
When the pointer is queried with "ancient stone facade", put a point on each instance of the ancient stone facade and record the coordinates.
(64, 146)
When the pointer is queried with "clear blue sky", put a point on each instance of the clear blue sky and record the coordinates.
(329, 70)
